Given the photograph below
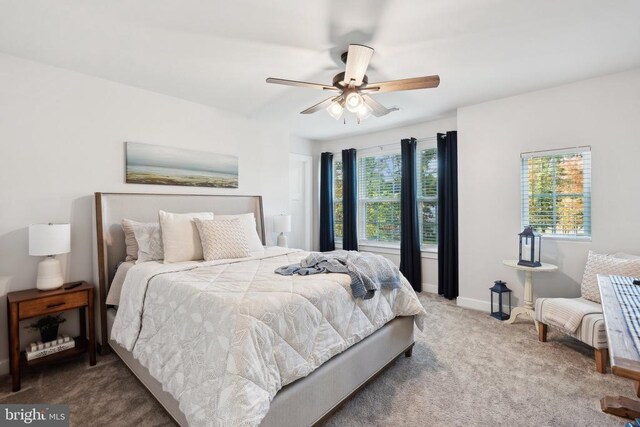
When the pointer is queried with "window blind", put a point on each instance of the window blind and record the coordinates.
(556, 191)
(337, 200)
(379, 179)
(428, 195)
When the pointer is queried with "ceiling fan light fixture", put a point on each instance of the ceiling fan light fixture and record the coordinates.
(364, 111)
(335, 110)
(354, 102)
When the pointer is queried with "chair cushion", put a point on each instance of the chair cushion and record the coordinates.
(591, 330)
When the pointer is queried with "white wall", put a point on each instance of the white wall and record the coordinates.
(300, 145)
(62, 136)
(421, 130)
(603, 113)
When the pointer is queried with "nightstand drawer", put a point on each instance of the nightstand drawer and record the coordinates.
(52, 304)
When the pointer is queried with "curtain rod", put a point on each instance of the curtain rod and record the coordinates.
(395, 144)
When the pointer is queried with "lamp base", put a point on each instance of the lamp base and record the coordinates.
(49, 274)
(282, 240)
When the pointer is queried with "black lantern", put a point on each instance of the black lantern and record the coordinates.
(499, 287)
(530, 243)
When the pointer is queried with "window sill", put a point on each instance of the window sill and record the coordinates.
(429, 252)
(577, 239)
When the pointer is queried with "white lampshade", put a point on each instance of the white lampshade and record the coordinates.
(282, 223)
(49, 239)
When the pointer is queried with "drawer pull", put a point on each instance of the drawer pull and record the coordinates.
(58, 304)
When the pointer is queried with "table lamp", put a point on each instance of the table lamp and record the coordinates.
(282, 224)
(49, 240)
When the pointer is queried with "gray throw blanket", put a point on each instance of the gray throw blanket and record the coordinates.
(368, 272)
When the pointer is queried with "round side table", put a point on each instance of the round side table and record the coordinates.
(527, 309)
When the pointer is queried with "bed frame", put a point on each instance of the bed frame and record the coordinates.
(307, 401)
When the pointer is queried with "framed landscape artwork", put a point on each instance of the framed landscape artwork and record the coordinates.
(160, 165)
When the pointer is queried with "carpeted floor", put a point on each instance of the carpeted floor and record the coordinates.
(467, 369)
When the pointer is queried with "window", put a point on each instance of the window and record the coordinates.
(428, 195)
(337, 200)
(379, 178)
(556, 192)
(379, 182)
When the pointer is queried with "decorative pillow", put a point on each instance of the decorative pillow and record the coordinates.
(128, 226)
(248, 221)
(605, 264)
(180, 237)
(149, 239)
(223, 239)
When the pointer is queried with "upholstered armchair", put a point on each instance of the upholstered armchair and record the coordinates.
(582, 317)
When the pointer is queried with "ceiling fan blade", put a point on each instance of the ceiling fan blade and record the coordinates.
(301, 84)
(404, 84)
(377, 109)
(320, 105)
(358, 59)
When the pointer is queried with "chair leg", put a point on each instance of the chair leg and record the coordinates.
(601, 360)
(542, 332)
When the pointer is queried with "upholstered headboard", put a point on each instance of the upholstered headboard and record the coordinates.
(112, 208)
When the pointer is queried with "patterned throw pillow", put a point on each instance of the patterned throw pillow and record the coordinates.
(149, 240)
(605, 265)
(222, 239)
(248, 221)
(129, 228)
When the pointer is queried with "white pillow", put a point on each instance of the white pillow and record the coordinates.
(623, 255)
(248, 221)
(605, 264)
(180, 237)
(223, 239)
(149, 239)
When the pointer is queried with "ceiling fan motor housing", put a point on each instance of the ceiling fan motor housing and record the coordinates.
(338, 81)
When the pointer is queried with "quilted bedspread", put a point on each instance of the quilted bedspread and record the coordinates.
(223, 337)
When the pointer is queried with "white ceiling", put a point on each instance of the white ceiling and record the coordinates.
(219, 53)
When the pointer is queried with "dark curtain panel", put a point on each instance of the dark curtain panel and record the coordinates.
(349, 201)
(448, 214)
(410, 259)
(327, 241)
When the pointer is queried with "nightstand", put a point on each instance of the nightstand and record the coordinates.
(31, 303)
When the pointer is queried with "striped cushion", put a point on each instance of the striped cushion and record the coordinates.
(591, 331)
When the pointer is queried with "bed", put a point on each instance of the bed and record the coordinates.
(306, 398)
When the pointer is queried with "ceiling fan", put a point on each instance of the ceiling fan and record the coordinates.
(352, 88)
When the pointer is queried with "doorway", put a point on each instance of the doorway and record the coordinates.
(300, 188)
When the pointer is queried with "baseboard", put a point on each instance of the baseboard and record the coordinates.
(4, 366)
(474, 304)
(432, 289)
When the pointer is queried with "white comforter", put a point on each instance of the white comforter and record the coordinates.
(223, 337)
